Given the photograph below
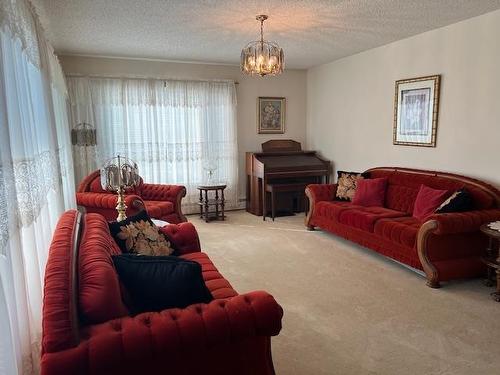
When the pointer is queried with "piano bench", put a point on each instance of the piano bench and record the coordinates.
(279, 188)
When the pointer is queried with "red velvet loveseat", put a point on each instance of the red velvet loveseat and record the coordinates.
(230, 335)
(162, 202)
(445, 246)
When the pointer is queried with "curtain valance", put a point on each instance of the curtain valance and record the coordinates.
(159, 92)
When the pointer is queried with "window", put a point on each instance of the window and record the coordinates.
(173, 130)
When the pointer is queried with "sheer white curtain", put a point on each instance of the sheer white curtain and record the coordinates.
(36, 181)
(173, 129)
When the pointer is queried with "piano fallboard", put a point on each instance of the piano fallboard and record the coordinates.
(291, 162)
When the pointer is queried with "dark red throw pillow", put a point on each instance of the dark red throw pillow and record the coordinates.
(370, 192)
(428, 199)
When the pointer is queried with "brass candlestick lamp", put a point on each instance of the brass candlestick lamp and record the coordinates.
(119, 174)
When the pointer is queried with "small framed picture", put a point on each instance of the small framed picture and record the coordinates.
(271, 115)
(416, 107)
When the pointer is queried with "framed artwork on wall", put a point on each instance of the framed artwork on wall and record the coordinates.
(416, 107)
(271, 115)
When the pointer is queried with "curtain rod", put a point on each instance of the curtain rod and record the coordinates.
(104, 76)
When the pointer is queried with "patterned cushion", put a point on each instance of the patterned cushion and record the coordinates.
(346, 185)
(138, 234)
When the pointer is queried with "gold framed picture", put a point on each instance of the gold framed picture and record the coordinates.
(271, 115)
(416, 108)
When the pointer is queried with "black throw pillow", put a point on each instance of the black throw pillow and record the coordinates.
(138, 234)
(155, 283)
(459, 201)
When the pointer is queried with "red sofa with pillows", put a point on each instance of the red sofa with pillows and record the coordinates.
(162, 202)
(445, 246)
(87, 328)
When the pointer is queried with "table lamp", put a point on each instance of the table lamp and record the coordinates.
(119, 174)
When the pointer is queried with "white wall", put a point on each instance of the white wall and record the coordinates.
(291, 84)
(350, 102)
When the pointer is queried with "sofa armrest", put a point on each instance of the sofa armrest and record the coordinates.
(183, 236)
(321, 192)
(463, 222)
(120, 343)
(437, 225)
(107, 200)
(218, 322)
(317, 193)
(169, 193)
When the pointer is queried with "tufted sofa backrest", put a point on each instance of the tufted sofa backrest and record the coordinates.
(92, 183)
(403, 186)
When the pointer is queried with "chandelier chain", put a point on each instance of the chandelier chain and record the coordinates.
(261, 30)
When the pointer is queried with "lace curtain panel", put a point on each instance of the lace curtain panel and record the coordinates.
(174, 130)
(36, 179)
(18, 17)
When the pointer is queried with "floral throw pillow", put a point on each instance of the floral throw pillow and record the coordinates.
(138, 234)
(346, 185)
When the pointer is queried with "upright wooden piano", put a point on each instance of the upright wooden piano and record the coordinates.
(281, 162)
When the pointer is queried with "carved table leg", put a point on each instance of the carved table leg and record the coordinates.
(273, 204)
(216, 203)
(222, 204)
(489, 254)
(201, 207)
(206, 206)
(496, 295)
(264, 208)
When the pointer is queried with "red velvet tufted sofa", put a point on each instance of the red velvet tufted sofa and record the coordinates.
(87, 329)
(445, 246)
(162, 202)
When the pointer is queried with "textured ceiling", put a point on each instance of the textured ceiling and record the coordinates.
(311, 32)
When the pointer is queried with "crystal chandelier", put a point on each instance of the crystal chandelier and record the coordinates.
(261, 56)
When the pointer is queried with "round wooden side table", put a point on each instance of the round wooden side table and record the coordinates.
(217, 202)
(492, 259)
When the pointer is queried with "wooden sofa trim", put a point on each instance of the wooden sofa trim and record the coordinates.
(178, 205)
(73, 308)
(312, 203)
(422, 236)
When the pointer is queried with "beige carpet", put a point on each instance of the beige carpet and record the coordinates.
(349, 310)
